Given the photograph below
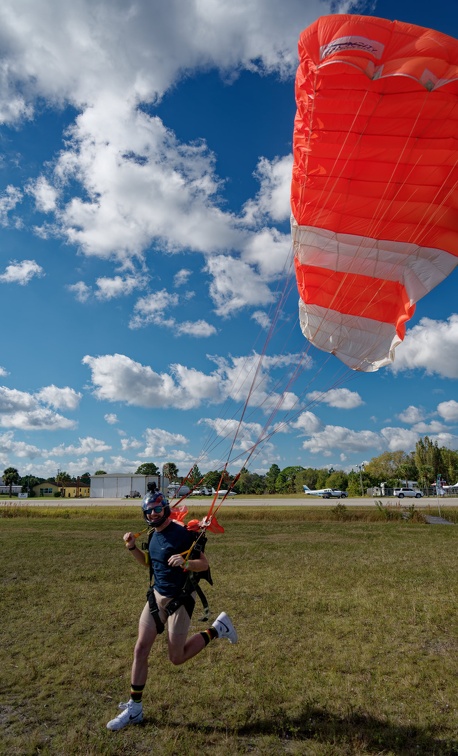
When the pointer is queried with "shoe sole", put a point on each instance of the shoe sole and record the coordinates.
(136, 720)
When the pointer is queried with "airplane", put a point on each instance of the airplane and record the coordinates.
(326, 493)
(222, 493)
(455, 485)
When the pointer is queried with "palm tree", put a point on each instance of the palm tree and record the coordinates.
(10, 478)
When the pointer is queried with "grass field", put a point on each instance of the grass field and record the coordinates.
(348, 638)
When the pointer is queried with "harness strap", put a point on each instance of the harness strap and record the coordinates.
(154, 611)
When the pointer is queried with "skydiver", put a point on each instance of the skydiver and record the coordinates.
(170, 570)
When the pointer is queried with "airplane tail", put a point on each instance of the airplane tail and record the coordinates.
(306, 488)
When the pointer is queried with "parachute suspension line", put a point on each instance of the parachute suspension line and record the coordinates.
(243, 375)
(436, 216)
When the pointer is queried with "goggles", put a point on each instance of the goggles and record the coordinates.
(157, 509)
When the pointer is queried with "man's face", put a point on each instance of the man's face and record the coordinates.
(154, 513)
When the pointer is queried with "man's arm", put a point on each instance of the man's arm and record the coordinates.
(200, 564)
(141, 556)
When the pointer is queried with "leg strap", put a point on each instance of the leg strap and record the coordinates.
(154, 610)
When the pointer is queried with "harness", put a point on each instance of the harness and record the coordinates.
(191, 585)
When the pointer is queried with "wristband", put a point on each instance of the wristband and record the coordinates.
(186, 566)
(133, 547)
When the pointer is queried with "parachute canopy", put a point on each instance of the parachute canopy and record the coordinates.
(374, 189)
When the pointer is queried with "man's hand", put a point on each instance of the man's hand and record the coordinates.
(176, 560)
(129, 540)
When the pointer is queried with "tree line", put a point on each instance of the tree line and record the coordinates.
(426, 464)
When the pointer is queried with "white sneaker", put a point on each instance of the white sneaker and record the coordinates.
(132, 714)
(225, 628)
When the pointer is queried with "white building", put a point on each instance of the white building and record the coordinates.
(120, 485)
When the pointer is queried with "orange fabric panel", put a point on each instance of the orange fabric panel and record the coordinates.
(376, 131)
(352, 294)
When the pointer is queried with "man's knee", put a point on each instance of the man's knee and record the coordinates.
(176, 656)
(142, 648)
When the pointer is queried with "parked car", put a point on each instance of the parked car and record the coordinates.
(134, 495)
(402, 492)
(333, 493)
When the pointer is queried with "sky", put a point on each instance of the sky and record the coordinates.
(148, 313)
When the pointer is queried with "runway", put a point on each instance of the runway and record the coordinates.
(240, 501)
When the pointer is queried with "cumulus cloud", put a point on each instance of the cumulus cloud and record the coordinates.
(81, 291)
(86, 445)
(337, 437)
(272, 200)
(8, 201)
(21, 272)
(182, 277)
(21, 410)
(448, 410)
(158, 442)
(431, 345)
(44, 194)
(236, 285)
(339, 398)
(111, 418)
(118, 286)
(130, 443)
(262, 319)
(59, 398)
(155, 309)
(9, 446)
(399, 439)
(308, 423)
(3, 372)
(117, 378)
(411, 415)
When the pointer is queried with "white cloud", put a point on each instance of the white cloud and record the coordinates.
(44, 194)
(86, 445)
(242, 435)
(57, 49)
(272, 200)
(21, 410)
(262, 319)
(308, 423)
(196, 328)
(448, 410)
(130, 443)
(235, 285)
(118, 286)
(431, 345)
(336, 437)
(8, 201)
(8, 447)
(154, 309)
(429, 428)
(399, 439)
(59, 398)
(411, 415)
(3, 372)
(117, 378)
(339, 398)
(21, 272)
(111, 418)
(81, 291)
(182, 277)
(159, 442)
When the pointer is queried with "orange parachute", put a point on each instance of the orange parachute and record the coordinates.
(374, 190)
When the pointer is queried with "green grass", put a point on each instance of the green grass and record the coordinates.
(348, 639)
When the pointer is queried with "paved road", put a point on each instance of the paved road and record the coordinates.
(240, 501)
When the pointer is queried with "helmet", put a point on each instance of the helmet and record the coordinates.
(152, 499)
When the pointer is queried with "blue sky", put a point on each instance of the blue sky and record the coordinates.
(145, 160)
